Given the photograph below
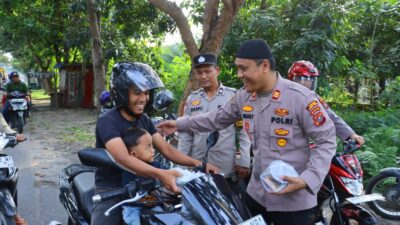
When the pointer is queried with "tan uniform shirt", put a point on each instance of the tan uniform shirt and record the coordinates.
(223, 154)
(279, 131)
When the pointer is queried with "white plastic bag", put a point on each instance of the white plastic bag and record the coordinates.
(271, 177)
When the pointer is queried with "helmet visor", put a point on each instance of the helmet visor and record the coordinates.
(307, 81)
(144, 81)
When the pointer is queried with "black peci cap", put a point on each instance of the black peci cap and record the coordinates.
(256, 49)
(204, 59)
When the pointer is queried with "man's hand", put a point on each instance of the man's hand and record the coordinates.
(359, 139)
(20, 137)
(242, 172)
(294, 184)
(212, 169)
(167, 127)
(168, 179)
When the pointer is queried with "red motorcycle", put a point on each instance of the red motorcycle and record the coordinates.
(343, 188)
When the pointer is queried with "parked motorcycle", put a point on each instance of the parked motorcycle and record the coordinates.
(8, 181)
(386, 183)
(205, 200)
(343, 188)
(18, 110)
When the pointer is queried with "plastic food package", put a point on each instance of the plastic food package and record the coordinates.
(271, 177)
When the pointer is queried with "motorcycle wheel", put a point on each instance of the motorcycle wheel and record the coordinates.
(20, 124)
(6, 220)
(386, 185)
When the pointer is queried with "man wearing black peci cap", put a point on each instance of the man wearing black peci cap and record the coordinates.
(212, 95)
(280, 117)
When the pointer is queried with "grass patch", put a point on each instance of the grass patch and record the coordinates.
(39, 94)
(76, 134)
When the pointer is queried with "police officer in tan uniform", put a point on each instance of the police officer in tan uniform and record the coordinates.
(280, 117)
(211, 96)
(306, 74)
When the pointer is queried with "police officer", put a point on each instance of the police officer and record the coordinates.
(280, 117)
(306, 74)
(209, 97)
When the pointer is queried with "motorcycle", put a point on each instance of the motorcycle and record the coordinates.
(343, 188)
(386, 183)
(207, 199)
(18, 110)
(8, 181)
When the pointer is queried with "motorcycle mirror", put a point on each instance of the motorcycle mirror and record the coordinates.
(211, 141)
(162, 100)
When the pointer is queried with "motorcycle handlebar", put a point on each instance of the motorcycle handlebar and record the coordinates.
(108, 195)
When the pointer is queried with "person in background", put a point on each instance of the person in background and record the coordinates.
(211, 96)
(306, 74)
(15, 84)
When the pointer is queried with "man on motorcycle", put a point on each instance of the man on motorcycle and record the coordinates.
(132, 89)
(15, 84)
(306, 74)
(4, 128)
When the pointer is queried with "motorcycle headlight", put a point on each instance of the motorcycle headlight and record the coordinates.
(354, 187)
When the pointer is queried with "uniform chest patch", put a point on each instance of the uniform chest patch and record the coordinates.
(281, 142)
(248, 116)
(281, 132)
(247, 108)
(281, 112)
(196, 102)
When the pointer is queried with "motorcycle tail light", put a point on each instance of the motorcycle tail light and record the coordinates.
(354, 187)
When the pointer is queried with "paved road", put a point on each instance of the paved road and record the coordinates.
(37, 191)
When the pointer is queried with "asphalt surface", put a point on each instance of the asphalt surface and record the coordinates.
(37, 201)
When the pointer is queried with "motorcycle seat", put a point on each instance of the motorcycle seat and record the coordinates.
(85, 188)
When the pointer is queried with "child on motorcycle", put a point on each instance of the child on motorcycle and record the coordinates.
(139, 144)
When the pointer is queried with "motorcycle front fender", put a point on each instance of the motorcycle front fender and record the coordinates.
(391, 171)
(7, 205)
(358, 213)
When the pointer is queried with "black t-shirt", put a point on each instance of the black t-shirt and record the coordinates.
(109, 126)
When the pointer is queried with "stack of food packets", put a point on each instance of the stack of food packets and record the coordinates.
(271, 178)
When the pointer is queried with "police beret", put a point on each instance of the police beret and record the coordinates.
(204, 59)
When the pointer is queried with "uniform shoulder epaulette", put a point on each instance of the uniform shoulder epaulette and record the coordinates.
(230, 89)
(300, 89)
(195, 92)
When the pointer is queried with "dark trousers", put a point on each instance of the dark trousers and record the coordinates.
(277, 218)
(5, 110)
(98, 217)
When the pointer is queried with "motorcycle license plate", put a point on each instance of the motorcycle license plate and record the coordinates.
(365, 198)
(257, 220)
(6, 162)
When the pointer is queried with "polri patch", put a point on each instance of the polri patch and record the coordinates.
(319, 119)
(312, 105)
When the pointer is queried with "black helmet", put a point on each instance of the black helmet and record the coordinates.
(126, 75)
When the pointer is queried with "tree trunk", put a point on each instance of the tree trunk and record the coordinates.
(97, 54)
(215, 27)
